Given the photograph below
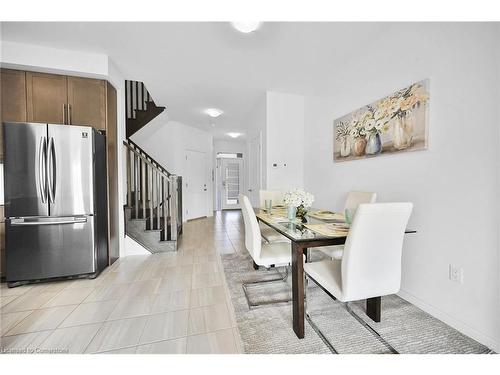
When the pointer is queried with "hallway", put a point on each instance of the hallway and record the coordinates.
(159, 303)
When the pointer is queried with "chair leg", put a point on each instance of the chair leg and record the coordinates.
(350, 311)
(283, 278)
(314, 326)
(370, 328)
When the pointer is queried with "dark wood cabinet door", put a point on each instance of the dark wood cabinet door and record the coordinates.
(13, 95)
(12, 99)
(46, 97)
(87, 102)
(112, 156)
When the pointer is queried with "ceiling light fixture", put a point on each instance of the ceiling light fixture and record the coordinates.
(213, 112)
(234, 135)
(246, 27)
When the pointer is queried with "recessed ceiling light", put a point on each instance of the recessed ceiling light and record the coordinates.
(213, 112)
(246, 27)
(234, 135)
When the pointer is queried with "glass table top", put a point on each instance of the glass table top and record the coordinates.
(296, 230)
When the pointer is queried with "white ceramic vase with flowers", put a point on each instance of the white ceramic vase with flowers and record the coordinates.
(297, 202)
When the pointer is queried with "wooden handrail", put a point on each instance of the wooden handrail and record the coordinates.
(135, 147)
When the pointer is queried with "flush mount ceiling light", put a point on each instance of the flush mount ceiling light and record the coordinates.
(234, 135)
(213, 112)
(246, 27)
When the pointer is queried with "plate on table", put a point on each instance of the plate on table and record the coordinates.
(327, 215)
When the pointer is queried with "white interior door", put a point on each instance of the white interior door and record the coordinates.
(254, 163)
(232, 182)
(196, 185)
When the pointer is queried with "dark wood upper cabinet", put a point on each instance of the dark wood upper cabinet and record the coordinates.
(13, 84)
(12, 99)
(46, 97)
(87, 102)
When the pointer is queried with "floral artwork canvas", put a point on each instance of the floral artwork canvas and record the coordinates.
(396, 123)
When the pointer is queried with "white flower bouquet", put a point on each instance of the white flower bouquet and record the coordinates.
(298, 197)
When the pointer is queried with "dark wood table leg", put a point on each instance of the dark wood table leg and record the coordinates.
(298, 289)
(374, 308)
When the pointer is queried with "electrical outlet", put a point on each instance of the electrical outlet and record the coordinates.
(456, 274)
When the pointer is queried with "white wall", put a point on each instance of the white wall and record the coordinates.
(54, 60)
(167, 141)
(256, 125)
(284, 141)
(454, 184)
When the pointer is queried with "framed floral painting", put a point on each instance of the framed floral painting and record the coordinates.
(396, 123)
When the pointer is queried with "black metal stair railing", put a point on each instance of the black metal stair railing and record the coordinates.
(140, 107)
(153, 193)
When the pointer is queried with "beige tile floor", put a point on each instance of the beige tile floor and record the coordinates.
(158, 303)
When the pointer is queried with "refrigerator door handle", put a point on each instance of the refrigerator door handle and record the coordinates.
(50, 221)
(51, 167)
(41, 168)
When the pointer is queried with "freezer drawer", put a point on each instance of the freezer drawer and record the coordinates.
(39, 248)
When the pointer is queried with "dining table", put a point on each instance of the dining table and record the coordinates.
(318, 228)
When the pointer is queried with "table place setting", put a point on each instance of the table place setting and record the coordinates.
(327, 215)
(329, 229)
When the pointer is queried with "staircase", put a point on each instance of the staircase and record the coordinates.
(140, 107)
(153, 212)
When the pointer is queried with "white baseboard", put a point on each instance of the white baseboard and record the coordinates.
(460, 326)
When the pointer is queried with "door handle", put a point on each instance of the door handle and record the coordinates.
(250, 190)
(69, 114)
(42, 168)
(64, 113)
(62, 220)
(51, 168)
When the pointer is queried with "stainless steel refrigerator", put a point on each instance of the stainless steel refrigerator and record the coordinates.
(55, 201)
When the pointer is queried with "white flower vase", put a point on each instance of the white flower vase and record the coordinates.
(345, 147)
(374, 144)
(402, 131)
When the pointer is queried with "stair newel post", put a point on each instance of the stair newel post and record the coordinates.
(143, 188)
(173, 200)
(136, 186)
(164, 200)
(129, 178)
(158, 200)
(150, 195)
(153, 192)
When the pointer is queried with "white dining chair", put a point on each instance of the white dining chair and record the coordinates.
(268, 233)
(268, 255)
(371, 264)
(354, 199)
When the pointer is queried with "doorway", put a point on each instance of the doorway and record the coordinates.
(196, 185)
(232, 182)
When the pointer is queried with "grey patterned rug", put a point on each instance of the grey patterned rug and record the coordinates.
(268, 329)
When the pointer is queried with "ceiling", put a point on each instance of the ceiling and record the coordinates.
(190, 66)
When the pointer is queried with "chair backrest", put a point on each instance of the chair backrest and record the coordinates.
(371, 263)
(252, 230)
(274, 195)
(355, 198)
